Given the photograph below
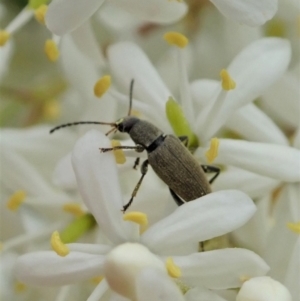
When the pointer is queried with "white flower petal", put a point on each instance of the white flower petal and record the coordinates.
(202, 91)
(263, 289)
(64, 16)
(203, 294)
(251, 12)
(99, 291)
(82, 75)
(20, 174)
(254, 70)
(278, 255)
(63, 175)
(209, 216)
(85, 41)
(96, 249)
(98, 183)
(160, 11)
(48, 269)
(254, 125)
(221, 269)
(254, 234)
(292, 275)
(286, 89)
(274, 161)
(34, 143)
(251, 183)
(297, 139)
(293, 193)
(148, 86)
(153, 284)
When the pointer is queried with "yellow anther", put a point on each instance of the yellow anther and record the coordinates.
(97, 279)
(20, 287)
(74, 209)
(4, 37)
(173, 270)
(51, 50)
(176, 38)
(58, 246)
(135, 113)
(102, 85)
(51, 109)
(16, 200)
(136, 217)
(244, 278)
(295, 227)
(212, 153)
(119, 154)
(40, 13)
(227, 82)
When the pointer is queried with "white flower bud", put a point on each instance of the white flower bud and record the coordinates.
(124, 263)
(263, 289)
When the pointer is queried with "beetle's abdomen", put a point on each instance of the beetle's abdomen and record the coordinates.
(176, 166)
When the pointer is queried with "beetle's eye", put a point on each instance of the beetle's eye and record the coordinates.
(121, 127)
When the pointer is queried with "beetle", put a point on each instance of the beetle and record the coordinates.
(167, 155)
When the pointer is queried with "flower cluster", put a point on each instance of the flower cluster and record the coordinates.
(221, 75)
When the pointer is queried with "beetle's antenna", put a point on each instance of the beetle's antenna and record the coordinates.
(81, 122)
(130, 96)
(111, 130)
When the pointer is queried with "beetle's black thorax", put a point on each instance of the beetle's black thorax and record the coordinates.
(146, 134)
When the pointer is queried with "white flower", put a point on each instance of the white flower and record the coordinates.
(176, 235)
(263, 289)
(253, 12)
(66, 15)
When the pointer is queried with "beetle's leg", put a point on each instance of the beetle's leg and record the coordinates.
(184, 140)
(176, 198)
(139, 148)
(144, 169)
(136, 163)
(209, 169)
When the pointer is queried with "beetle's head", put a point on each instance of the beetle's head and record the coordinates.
(124, 125)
